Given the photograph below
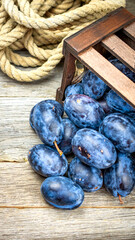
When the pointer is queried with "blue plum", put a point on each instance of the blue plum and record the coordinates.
(84, 111)
(93, 86)
(120, 130)
(116, 103)
(120, 178)
(74, 89)
(89, 178)
(31, 118)
(58, 107)
(130, 118)
(93, 148)
(105, 106)
(46, 161)
(69, 131)
(123, 68)
(62, 192)
(131, 115)
(47, 122)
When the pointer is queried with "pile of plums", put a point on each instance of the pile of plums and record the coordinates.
(100, 131)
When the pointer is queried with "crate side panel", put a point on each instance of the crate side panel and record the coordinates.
(94, 33)
(120, 50)
(130, 31)
(109, 74)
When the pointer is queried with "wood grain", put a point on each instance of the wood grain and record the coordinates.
(120, 50)
(126, 39)
(24, 215)
(83, 46)
(17, 137)
(45, 88)
(68, 74)
(130, 31)
(80, 224)
(23, 190)
(110, 74)
(97, 31)
(130, 5)
(16, 102)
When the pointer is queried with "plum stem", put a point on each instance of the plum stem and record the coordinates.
(59, 151)
(121, 202)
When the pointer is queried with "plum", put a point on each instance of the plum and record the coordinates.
(31, 118)
(84, 111)
(118, 104)
(74, 89)
(93, 86)
(69, 131)
(93, 148)
(131, 115)
(62, 192)
(123, 68)
(46, 120)
(89, 178)
(120, 130)
(58, 107)
(105, 106)
(119, 179)
(46, 161)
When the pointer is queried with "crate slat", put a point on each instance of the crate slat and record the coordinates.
(95, 32)
(120, 50)
(109, 74)
(68, 74)
(115, 34)
(130, 31)
(126, 39)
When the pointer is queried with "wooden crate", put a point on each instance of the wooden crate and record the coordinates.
(114, 33)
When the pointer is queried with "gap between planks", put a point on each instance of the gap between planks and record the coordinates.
(23, 191)
(49, 207)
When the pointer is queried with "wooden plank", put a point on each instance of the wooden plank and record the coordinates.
(120, 50)
(130, 31)
(16, 101)
(20, 187)
(80, 224)
(29, 217)
(130, 5)
(126, 39)
(109, 74)
(16, 135)
(68, 74)
(45, 88)
(97, 31)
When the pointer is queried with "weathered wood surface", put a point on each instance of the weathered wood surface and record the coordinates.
(130, 5)
(23, 213)
(94, 33)
(16, 101)
(119, 48)
(109, 73)
(82, 46)
(23, 190)
(68, 74)
(80, 224)
(130, 31)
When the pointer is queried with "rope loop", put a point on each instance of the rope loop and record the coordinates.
(40, 27)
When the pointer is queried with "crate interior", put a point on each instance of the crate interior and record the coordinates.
(120, 46)
(101, 50)
(114, 35)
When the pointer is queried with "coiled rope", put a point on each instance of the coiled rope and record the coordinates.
(40, 26)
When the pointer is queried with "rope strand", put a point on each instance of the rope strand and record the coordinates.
(41, 27)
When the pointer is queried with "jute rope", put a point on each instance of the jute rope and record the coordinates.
(40, 26)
